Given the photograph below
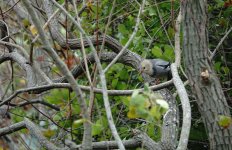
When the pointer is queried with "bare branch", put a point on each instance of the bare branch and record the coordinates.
(186, 124)
(220, 43)
(177, 41)
(25, 54)
(34, 130)
(23, 63)
(35, 101)
(12, 128)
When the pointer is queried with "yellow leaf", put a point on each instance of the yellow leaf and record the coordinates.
(22, 82)
(132, 113)
(26, 23)
(147, 104)
(57, 46)
(48, 133)
(33, 30)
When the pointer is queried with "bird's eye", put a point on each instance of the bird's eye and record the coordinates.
(144, 67)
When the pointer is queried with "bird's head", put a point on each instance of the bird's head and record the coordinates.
(146, 67)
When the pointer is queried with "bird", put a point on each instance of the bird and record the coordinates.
(156, 68)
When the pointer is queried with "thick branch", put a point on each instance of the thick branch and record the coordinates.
(170, 124)
(129, 58)
(23, 63)
(34, 130)
(12, 128)
(186, 125)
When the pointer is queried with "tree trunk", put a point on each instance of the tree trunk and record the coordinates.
(203, 80)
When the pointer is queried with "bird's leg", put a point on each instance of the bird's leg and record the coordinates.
(157, 81)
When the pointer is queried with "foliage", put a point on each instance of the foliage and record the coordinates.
(142, 110)
(147, 105)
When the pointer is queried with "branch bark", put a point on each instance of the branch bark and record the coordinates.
(23, 63)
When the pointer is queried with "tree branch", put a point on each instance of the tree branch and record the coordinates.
(34, 130)
(23, 63)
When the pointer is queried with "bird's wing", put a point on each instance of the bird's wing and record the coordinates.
(160, 67)
(160, 63)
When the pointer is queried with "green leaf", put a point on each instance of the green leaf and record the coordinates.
(171, 32)
(123, 74)
(99, 126)
(76, 108)
(142, 113)
(114, 82)
(137, 100)
(122, 29)
(154, 131)
(224, 121)
(156, 51)
(126, 101)
(152, 11)
(226, 70)
(155, 112)
(60, 1)
(220, 3)
(121, 85)
(168, 52)
(146, 87)
(217, 66)
(96, 129)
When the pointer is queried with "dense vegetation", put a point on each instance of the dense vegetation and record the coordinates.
(60, 113)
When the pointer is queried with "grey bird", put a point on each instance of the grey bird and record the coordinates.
(156, 68)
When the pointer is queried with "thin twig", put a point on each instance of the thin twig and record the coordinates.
(220, 43)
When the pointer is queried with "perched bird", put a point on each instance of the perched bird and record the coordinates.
(156, 68)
